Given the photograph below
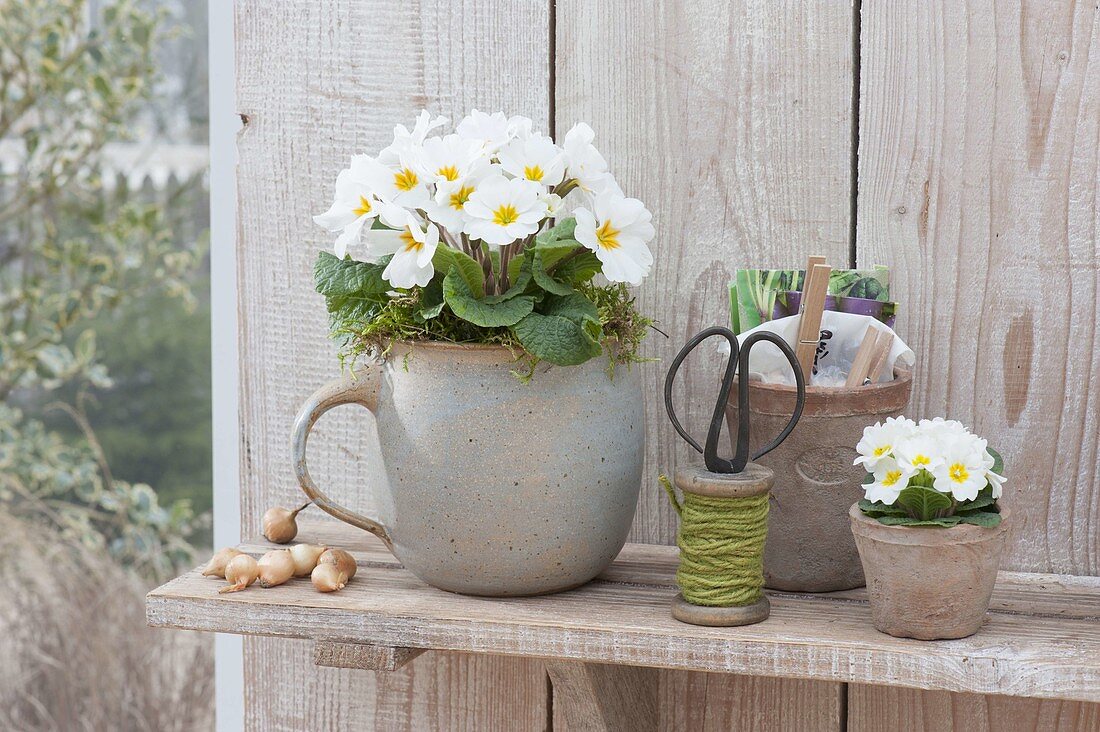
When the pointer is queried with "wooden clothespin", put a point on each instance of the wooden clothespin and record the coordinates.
(881, 356)
(814, 288)
(861, 364)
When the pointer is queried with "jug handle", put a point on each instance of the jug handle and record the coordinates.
(362, 390)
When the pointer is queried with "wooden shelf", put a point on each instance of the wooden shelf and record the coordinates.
(1041, 639)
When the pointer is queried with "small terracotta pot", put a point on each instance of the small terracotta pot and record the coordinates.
(927, 582)
(810, 548)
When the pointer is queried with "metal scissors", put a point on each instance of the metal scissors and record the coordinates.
(738, 364)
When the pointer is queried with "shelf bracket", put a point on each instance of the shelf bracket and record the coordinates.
(362, 656)
(603, 697)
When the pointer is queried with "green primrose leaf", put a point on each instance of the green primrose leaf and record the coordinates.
(335, 277)
(923, 503)
(998, 461)
(987, 519)
(431, 300)
(545, 280)
(985, 498)
(574, 306)
(445, 258)
(557, 339)
(944, 521)
(875, 509)
(563, 231)
(486, 312)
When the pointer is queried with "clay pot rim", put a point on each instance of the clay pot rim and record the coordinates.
(930, 536)
(888, 398)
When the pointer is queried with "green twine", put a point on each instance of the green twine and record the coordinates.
(721, 544)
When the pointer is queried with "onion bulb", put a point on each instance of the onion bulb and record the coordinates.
(343, 561)
(280, 524)
(241, 571)
(305, 558)
(276, 567)
(328, 578)
(216, 566)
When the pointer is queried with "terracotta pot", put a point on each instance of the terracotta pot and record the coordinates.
(928, 582)
(489, 486)
(810, 548)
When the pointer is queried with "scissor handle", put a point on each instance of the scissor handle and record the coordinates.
(710, 455)
(742, 456)
(738, 362)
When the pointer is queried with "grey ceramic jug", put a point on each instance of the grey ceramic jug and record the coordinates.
(492, 486)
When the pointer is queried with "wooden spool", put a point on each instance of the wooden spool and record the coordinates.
(754, 480)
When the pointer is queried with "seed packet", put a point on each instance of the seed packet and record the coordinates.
(760, 295)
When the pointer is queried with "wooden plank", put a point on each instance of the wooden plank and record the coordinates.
(978, 174)
(1019, 593)
(627, 621)
(316, 83)
(732, 122)
(362, 656)
(599, 697)
(724, 702)
(883, 709)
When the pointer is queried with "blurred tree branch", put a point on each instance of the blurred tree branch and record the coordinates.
(70, 252)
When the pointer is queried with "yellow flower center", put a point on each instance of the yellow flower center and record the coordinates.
(460, 197)
(919, 461)
(533, 172)
(364, 207)
(449, 172)
(505, 214)
(892, 477)
(411, 244)
(958, 473)
(880, 451)
(405, 180)
(607, 237)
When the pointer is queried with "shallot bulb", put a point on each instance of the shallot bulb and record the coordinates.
(305, 558)
(216, 566)
(328, 578)
(241, 571)
(343, 561)
(280, 524)
(276, 567)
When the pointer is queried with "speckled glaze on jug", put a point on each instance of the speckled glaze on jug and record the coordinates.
(488, 485)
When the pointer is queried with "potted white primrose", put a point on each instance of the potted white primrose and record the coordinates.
(930, 531)
(465, 288)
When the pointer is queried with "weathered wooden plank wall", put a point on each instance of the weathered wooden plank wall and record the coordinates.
(733, 122)
(317, 82)
(979, 165)
(976, 180)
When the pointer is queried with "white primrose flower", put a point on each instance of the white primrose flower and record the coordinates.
(617, 230)
(879, 440)
(492, 131)
(536, 158)
(918, 452)
(397, 184)
(996, 481)
(962, 472)
(354, 207)
(450, 159)
(890, 480)
(412, 248)
(448, 207)
(406, 142)
(503, 210)
(585, 163)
